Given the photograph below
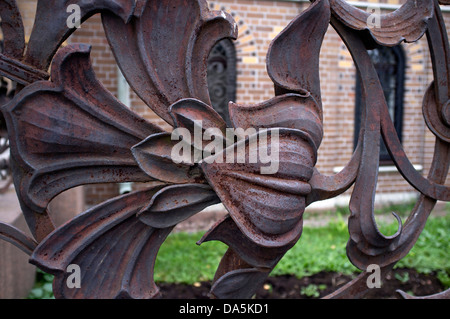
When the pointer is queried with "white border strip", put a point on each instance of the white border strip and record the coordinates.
(382, 169)
(343, 200)
(385, 6)
(364, 4)
(380, 199)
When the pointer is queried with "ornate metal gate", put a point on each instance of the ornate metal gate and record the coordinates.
(66, 130)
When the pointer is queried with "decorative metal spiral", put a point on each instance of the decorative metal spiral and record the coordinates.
(67, 130)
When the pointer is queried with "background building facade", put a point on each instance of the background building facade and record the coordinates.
(237, 72)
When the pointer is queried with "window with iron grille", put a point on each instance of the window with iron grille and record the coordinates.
(222, 77)
(389, 63)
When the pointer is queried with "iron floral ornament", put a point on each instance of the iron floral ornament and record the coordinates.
(66, 130)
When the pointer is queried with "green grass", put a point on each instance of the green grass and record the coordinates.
(43, 287)
(319, 249)
(181, 260)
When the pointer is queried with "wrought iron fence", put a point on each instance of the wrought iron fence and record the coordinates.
(66, 129)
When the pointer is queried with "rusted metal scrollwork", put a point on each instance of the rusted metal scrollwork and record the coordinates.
(6, 94)
(66, 130)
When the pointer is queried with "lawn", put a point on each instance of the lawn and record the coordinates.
(319, 249)
(322, 248)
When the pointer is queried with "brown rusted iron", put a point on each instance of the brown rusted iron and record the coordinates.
(70, 131)
(6, 94)
(13, 30)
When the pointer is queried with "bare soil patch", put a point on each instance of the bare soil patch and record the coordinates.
(323, 283)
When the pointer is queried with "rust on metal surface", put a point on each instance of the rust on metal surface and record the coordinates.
(65, 129)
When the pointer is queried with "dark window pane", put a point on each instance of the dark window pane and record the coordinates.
(390, 66)
(222, 77)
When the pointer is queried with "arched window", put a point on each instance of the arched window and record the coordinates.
(390, 66)
(222, 77)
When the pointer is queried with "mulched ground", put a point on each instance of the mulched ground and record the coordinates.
(321, 284)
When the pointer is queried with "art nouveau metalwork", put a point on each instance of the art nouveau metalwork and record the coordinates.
(67, 130)
(5, 176)
(222, 77)
(6, 94)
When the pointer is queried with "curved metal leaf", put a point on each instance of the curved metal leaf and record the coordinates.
(437, 115)
(329, 186)
(163, 51)
(12, 29)
(187, 112)
(226, 231)
(292, 111)
(51, 30)
(70, 132)
(114, 251)
(17, 238)
(267, 208)
(239, 284)
(357, 288)
(154, 156)
(408, 23)
(293, 57)
(432, 117)
(442, 295)
(201, 120)
(174, 204)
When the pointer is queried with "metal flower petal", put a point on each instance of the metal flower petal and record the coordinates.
(408, 23)
(267, 208)
(69, 132)
(163, 51)
(156, 157)
(176, 203)
(293, 57)
(12, 29)
(51, 30)
(114, 251)
(294, 111)
(189, 113)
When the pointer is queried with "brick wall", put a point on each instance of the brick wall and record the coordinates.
(106, 70)
(259, 22)
(27, 10)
